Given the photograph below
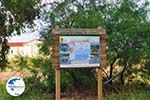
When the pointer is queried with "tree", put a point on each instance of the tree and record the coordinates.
(14, 15)
(130, 29)
(126, 23)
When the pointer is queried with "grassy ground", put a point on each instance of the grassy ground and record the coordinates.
(36, 86)
(26, 96)
(129, 96)
(35, 95)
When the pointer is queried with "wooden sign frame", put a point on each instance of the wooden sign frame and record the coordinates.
(57, 32)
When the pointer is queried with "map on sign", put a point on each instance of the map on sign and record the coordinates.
(79, 51)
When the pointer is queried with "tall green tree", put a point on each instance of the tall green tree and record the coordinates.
(126, 23)
(14, 16)
(129, 28)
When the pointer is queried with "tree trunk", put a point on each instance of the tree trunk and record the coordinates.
(122, 75)
(111, 70)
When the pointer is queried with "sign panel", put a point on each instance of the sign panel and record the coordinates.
(79, 51)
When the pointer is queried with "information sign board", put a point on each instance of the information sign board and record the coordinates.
(79, 51)
(78, 48)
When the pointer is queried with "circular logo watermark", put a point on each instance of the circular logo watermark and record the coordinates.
(15, 86)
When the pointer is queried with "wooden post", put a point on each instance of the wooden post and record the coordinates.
(55, 61)
(103, 63)
(100, 87)
(57, 73)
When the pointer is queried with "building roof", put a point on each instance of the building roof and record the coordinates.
(19, 44)
(16, 44)
(34, 40)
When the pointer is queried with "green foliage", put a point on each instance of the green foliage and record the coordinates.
(14, 15)
(40, 76)
(126, 23)
(45, 73)
(36, 95)
(71, 79)
(27, 95)
(38, 72)
(24, 11)
(129, 96)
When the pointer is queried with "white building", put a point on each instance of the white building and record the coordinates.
(29, 48)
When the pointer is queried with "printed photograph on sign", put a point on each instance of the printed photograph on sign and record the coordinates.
(79, 51)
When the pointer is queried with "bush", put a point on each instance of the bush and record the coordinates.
(40, 76)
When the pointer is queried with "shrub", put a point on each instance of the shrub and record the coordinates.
(41, 75)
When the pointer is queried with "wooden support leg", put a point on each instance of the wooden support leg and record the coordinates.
(100, 87)
(57, 76)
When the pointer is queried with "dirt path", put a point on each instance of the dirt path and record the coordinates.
(4, 76)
